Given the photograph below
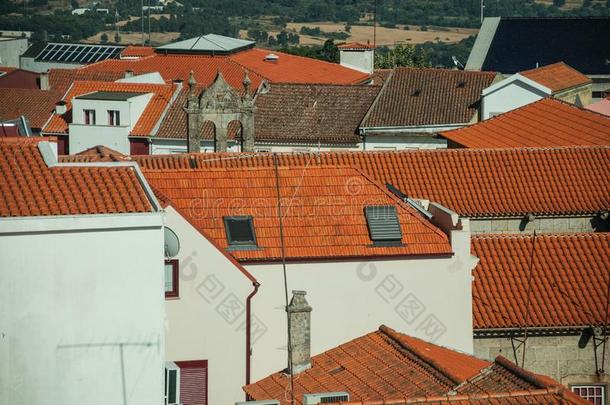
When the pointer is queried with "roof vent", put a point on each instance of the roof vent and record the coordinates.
(272, 58)
(325, 398)
(461, 84)
(416, 93)
(384, 228)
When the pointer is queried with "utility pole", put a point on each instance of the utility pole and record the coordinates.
(375, 25)
(142, 20)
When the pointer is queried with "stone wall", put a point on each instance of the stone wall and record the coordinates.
(540, 225)
(583, 93)
(558, 357)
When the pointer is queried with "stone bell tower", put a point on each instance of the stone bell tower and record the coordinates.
(193, 113)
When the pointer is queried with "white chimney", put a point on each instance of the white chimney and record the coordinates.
(128, 73)
(357, 56)
(61, 108)
(44, 81)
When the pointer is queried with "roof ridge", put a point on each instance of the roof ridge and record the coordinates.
(528, 376)
(541, 235)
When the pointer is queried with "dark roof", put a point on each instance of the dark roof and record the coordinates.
(109, 95)
(35, 105)
(521, 43)
(312, 112)
(423, 96)
(34, 50)
(20, 79)
(308, 113)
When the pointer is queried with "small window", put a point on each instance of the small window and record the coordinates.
(596, 394)
(171, 278)
(172, 383)
(384, 228)
(240, 232)
(114, 117)
(89, 117)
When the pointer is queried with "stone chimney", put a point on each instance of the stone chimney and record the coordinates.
(299, 313)
(44, 81)
(192, 118)
(247, 121)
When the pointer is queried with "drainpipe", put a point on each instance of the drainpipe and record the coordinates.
(248, 330)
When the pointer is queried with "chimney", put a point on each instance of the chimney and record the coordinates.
(128, 73)
(60, 107)
(247, 121)
(192, 118)
(358, 57)
(44, 80)
(299, 313)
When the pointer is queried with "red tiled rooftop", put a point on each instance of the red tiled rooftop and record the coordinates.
(387, 367)
(557, 77)
(323, 214)
(31, 188)
(60, 80)
(132, 51)
(58, 124)
(19, 79)
(356, 45)
(544, 123)
(36, 105)
(570, 278)
(472, 182)
(601, 107)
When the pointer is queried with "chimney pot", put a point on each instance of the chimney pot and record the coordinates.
(61, 108)
(299, 313)
(128, 73)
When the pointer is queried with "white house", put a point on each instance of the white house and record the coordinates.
(81, 269)
(414, 273)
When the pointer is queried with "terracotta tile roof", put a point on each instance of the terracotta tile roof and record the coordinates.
(387, 367)
(32, 188)
(133, 51)
(323, 211)
(557, 76)
(19, 79)
(312, 113)
(547, 122)
(98, 153)
(356, 45)
(36, 105)
(60, 80)
(414, 97)
(58, 124)
(472, 182)
(288, 69)
(569, 280)
(601, 107)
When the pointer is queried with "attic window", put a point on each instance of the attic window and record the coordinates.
(384, 228)
(240, 232)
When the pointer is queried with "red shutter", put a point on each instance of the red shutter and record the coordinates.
(62, 145)
(193, 382)
(138, 146)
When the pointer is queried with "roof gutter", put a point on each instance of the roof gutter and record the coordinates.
(249, 330)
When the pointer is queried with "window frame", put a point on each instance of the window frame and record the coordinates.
(89, 113)
(114, 118)
(171, 366)
(602, 386)
(175, 292)
(235, 245)
(383, 242)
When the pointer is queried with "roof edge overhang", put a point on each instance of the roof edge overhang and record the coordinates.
(223, 52)
(431, 128)
(335, 259)
(490, 333)
(517, 77)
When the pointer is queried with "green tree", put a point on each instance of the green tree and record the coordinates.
(401, 55)
(104, 38)
(117, 38)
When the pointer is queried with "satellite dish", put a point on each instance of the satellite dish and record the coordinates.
(172, 244)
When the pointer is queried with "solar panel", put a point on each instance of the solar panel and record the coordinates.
(384, 228)
(78, 53)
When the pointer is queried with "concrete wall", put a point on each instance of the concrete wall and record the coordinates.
(540, 225)
(509, 97)
(362, 60)
(558, 357)
(116, 136)
(582, 93)
(33, 65)
(77, 291)
(11, 50)
(427, 298)
(207, 321)
(404, 141)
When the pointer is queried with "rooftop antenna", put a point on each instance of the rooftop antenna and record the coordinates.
(375, 26)
(149, 40)
(457, 63)
(142, 20)
(482, 11)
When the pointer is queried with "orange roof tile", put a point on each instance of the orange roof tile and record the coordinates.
(323, 214)
(569, 284)
(547, 122)
(58, 124)
(288, 69)
(31, 188)
(132, 51)
(61, 79)
(356, 45)
(601, 107)
(557, 76)
(472, 182)
(387, 367)
(36, 105)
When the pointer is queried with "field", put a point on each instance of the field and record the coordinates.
(385, 36)
(135, 38)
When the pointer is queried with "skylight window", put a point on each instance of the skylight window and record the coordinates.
(384, 228)
(240, 232)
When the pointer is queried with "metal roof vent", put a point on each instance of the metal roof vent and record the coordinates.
(325, 398)
(384, 228)
(272, 57)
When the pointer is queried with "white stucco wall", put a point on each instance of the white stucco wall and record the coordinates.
(401, 142)
(506, 98)
(361, 60)
(207, 321)
(116, 136)
(11, 50)
(427, 298)
(31, 64)
(74, 291)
